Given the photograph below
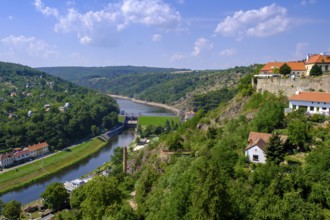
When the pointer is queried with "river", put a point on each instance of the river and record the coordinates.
(32, 192)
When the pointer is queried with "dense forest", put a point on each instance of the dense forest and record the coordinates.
(74, 74)
(205, 174)
(37, 107)
(179, 88)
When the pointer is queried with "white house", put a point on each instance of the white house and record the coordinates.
(257, 146)
(6, 160)
(21, 155)
(312, 102)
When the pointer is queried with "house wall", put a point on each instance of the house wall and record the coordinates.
(256, 151)
(312, 107)
(324, 66)
(289, 86)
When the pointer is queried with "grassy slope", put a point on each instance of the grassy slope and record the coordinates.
(47, 166)
(156, 120)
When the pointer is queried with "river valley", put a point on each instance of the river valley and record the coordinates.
(32, 192)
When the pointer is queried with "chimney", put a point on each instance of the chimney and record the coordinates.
(297, 92)
(124, 159)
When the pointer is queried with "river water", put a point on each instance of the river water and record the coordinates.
(32, 192)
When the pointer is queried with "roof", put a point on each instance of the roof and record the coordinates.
(311, 96)
(4, 156)
(295, 66)
(19, 153)
(318, 58)
(260, 139)
(38, 146)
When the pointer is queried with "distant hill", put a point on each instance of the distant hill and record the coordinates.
(74, 74)
(36, 107)
(170, 86)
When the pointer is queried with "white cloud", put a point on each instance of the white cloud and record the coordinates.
(112, 18)
(228, 52)
(301, 50)
(45, 10)
(177, 57)
(149, 12)
(85, 40)
(265, 21)
(308, 2)
(201, 45)
(31, 45)
(156, 37)
(10, 17)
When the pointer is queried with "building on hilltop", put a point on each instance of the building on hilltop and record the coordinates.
(298, 68)
(312, 102)
(322, 60)
(256, 149)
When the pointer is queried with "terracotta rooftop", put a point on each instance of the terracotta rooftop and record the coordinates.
(37, 146)
(295, 66)
(318, 58)
(311, 96)
(261, 139)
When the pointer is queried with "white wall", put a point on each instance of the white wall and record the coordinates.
(312, 107)
(256, 151)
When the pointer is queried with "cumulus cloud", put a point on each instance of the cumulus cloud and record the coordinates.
(262, 22)
(33, 46)
(228, 52)
(201, 45)
(301, 50)
(45, 10)
(112, 18)
(156, 37)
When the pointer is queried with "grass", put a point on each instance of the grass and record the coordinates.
(156, 120)
(32, 172)
(121, 118)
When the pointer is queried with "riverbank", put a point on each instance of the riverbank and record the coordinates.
(31, 173)
(171, 108)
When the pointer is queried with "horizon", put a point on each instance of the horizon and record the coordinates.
(178, 34)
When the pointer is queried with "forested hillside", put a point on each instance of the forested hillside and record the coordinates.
(74, 74)
(200, 171)
(37, 107)
(182, 89)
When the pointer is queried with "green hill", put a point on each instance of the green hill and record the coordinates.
(36, 107)
(183, 88)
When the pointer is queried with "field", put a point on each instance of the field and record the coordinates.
(32, 172)
(156, 120)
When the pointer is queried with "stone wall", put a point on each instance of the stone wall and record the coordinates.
(289, 86)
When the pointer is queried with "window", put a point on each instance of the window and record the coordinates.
(255, 158)
(294, 106)
(324, 108)
(311, 108)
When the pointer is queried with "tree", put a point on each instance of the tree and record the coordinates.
(174, 142)
(94, 130)
(285, 69)
(316, 71)
(56, 196)
(275, 150)
(12, 210)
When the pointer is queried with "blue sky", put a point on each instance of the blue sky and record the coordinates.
(209, 34)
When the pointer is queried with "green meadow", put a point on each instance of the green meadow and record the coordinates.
(157, 120)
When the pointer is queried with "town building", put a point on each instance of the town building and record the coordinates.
(312, 102)
(6, 160)
(298, 68)
(257, 145)
(322, 60)
(38, 149)
(20, 156)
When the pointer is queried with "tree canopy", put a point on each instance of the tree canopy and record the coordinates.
(12, 210)
(285, 69)
(316, 70)
(56, 196)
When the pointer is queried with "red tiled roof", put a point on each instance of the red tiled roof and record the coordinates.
(37, 146)
(261, 139)
(4, 156)
(295, 66)
(311, 96)
(19, 153)
(318, 58)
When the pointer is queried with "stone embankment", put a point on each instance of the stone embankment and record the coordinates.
(289, 86)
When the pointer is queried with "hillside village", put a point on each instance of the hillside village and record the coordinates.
(310, 102)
